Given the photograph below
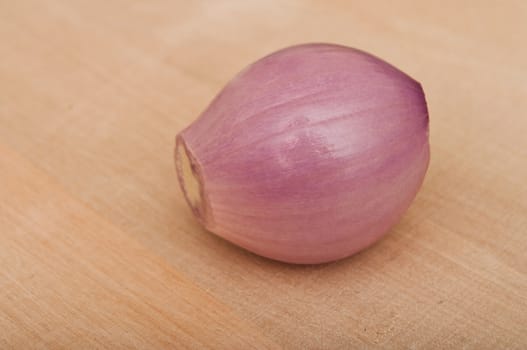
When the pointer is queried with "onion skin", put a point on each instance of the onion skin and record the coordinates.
(308, 155)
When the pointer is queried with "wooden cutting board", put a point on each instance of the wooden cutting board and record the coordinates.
(98, 248)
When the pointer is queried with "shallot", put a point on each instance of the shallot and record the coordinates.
(308, 155)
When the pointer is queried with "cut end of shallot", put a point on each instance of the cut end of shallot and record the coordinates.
(190, 180)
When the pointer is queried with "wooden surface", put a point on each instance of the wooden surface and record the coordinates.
(98, 248)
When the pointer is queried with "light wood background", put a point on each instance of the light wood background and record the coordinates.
(98, 248)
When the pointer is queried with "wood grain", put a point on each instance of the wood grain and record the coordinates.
(71, 280)
(98, 248)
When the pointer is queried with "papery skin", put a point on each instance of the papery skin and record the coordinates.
(310, 154)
